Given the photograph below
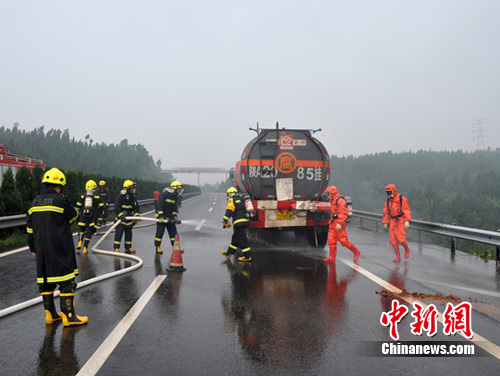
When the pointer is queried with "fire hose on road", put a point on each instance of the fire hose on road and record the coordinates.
(29, 303)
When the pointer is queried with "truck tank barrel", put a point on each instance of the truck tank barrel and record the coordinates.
(283, 164)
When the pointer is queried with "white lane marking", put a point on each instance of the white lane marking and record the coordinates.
(96, 361)
(200, 225)
(210, 209)
(476, 339)
(14, 251)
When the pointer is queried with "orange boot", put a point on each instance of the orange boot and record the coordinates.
(355, 251)
(407, 250)
(333, 253)
(398, 256)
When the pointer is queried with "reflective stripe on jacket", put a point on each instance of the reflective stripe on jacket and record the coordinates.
(167, 204)
(236, 209)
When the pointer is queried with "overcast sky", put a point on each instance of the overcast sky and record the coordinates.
(186, 79)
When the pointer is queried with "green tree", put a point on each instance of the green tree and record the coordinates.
(36, 180)
(23, 185)
(10, 198)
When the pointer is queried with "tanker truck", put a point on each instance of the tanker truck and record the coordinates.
(284, 173)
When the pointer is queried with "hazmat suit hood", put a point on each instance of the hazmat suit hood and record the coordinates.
(334, 192)
(392, 187)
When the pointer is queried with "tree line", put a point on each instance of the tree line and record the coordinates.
(58, 148)
(80, 161)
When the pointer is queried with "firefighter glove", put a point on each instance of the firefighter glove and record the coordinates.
(338, 227)
(385, 226)
(407, 224)
(226, 224)
(161, 219)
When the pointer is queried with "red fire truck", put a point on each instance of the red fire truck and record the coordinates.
(14, 162)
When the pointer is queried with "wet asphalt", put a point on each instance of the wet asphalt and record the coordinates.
(286, 313)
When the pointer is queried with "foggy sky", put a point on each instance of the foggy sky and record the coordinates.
(186, 79)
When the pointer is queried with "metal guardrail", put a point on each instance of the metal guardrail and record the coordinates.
(452, 231)
(20, 219)
(13, 221)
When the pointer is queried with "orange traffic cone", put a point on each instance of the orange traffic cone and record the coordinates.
(176, 259)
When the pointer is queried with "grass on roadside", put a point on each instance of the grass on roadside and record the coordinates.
(16, 238)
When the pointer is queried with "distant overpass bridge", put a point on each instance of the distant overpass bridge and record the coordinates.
(199, 171)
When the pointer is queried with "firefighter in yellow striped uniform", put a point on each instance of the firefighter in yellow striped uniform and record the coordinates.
(103, 204)
(125, 206)
(166, 212)
(51, 241)
(89, 206)
(236, 209)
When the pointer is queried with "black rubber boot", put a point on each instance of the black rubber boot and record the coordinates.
(51, 314)
(68, 314)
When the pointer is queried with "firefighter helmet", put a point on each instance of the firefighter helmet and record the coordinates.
(102, 182)
(231, 192)
(127, 184)
(91, 185)
(176, 185)
(54, 176)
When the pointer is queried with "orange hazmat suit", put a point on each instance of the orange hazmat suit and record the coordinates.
(337, 231)
(397, 217)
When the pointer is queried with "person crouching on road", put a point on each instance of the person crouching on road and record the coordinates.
(125, 206)
(397, 217)
(337, 231)
(236, 209)
(50, 240)
(89, 206)
(166, 212)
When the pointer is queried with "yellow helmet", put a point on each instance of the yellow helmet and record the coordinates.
(128, 184)
(91, 185)
(175, 185)
(102, 182)
(54, 176)
(231, 192)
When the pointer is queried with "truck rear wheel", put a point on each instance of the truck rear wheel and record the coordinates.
(313, 234)
(319, 234)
